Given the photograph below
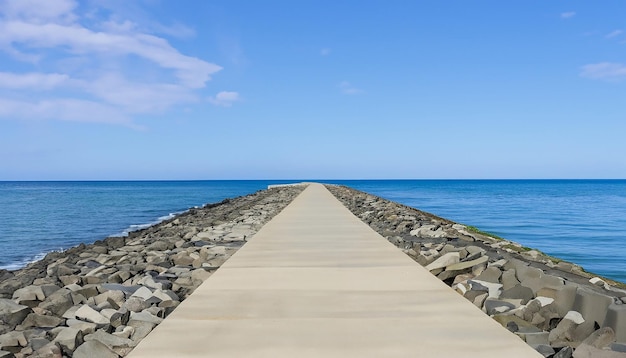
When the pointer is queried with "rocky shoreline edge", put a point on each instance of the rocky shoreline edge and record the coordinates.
(100, 300)
(555, 306)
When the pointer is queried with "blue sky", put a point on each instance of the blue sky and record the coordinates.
(312, 89)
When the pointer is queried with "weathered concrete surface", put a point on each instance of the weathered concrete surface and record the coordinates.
(317, 282)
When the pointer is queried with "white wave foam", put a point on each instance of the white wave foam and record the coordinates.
(16, 265)
(137, 227)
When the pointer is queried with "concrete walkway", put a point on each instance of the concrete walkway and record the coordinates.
(317, 282)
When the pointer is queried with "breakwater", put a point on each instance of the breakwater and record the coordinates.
(555, 306)
(104, 298)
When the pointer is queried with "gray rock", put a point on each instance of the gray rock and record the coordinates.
(88, 314)
(544, 349)
(536, 338)
(423, 259)
(111, 341)
(618, 347)
(49, 350)
(29, 293)
(564, 331)
(587, 351)
(69, 338)
(88, 291)
(141, 329)
(38, 343)
(198, 276)
(128, 290)
(601, 338)
(94, 349)
(70, 279)
(13, 339)
(493, 306)
(182, 259)
(525, 272)
(143, 293)
(78, 298)
(5, 354)
(165, 295)
(537, 283)
(124, 331)
(509, 280)
(119, 277)
(160, 245)
(467, 264)
(445, 275)
(565, 352)
(448, 259)
(120, 318)
(114, 297)
(499, 264)
(84, 327)
(8, 286)
(528, 312)
(518, 291)
(49, 289)
(38, 320)
(135, 304)
(491, 274)
(12, 313)
(493, 289)
(474, 252)
(145, 316)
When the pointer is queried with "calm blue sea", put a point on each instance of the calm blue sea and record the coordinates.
(583, 221)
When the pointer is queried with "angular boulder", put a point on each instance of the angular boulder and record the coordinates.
(12, 313)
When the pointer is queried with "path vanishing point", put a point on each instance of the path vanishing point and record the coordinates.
(316, 281)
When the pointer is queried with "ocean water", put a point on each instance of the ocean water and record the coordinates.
(583, 221)
(39, 217)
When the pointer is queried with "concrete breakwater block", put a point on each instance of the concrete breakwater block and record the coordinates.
(616, 319)
(592, 305)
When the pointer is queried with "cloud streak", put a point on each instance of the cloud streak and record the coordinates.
(614, 33)
(607, 71)
(33, 80)
(347, 88)
(116, 67)
(225, 99)
(568, 15)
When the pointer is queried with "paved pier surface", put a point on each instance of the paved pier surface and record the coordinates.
(317, 282)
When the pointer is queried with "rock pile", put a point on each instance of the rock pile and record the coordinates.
(555, 306)
(100, 300)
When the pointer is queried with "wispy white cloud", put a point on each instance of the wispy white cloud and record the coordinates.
(98, 62)
(121, 10)
(325, 51)
(65, 109)
(225, 98)
(604, 71)
(347, 88)
(36, 11)
(568, 15)
(614, 33)
(33, 80)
